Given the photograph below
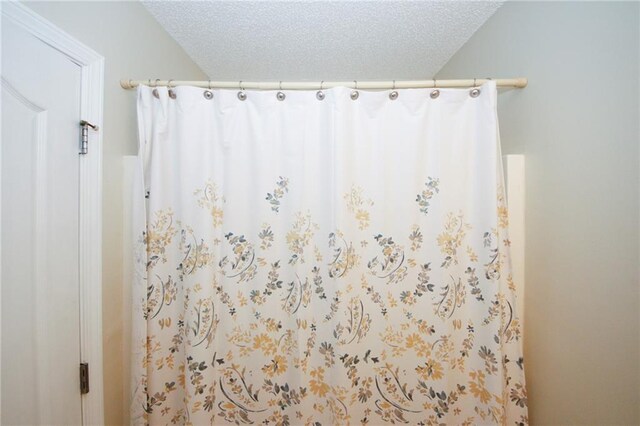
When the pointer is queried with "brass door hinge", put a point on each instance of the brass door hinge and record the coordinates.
(84, 377)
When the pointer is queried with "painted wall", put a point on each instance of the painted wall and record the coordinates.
(134, 46)
(578, 125)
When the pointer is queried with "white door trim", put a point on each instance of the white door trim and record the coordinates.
(90, 214)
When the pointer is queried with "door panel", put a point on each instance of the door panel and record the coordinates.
(40, 202)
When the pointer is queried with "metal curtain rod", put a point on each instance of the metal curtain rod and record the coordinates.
(319, 85)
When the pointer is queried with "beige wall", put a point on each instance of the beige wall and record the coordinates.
(134, 45)
(577, 124)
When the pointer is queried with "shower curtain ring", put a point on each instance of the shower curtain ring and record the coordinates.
(435, 92)
(155, 92)
(172, 93)
(475, 92)
(241, 94)
(393, 95)
(207, 93)
(354, 93)
(320, 93)
(280, 95)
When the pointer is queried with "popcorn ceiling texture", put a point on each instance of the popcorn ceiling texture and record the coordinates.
(343, 40)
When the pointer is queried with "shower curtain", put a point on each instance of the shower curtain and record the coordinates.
(323, 259)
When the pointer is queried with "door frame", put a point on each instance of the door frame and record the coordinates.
(90, 193)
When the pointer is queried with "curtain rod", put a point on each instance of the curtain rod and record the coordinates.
(318, 85)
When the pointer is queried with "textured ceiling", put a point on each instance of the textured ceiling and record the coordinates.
(321, 40)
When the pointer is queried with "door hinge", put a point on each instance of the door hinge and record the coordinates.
(84, 377)
(84, 139)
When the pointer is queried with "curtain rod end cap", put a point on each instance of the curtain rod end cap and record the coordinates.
(127, 84)
(522, 82)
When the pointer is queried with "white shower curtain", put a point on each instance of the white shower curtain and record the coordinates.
(323, 262)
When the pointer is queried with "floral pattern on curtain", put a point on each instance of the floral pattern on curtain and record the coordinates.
(323, 262)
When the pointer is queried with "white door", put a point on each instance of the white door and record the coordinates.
(40, 232)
